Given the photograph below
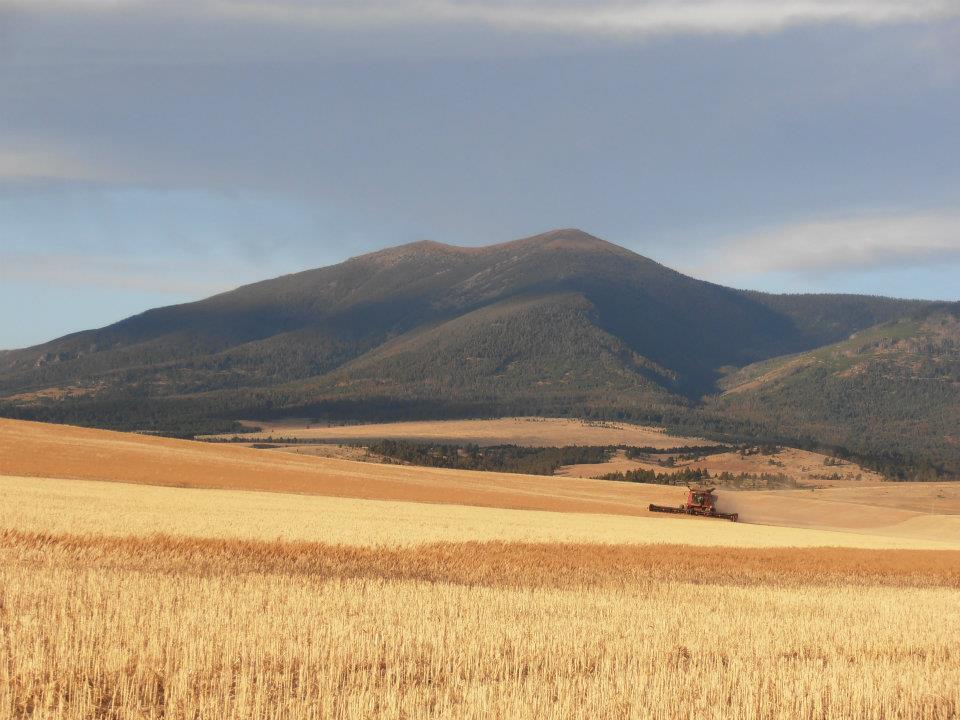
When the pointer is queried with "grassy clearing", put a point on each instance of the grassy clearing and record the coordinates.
(525, 431)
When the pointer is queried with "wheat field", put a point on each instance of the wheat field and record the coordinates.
(134, 602)
(40, 450)
(82, 507)
(174, 628)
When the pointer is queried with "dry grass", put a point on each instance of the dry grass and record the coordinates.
(83, 507)
(176, 629)
(526, 431)
(803, 466)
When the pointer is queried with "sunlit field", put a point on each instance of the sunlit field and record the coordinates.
(396, 610)
(116, 509)
(177, 628)
(130, 601)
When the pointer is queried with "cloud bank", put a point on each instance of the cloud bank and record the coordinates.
(852, 244)
(654, 16)
(567, 16)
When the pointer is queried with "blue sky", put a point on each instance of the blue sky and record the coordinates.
(158, 152)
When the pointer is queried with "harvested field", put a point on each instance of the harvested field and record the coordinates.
(131, 600)
(922, 497)
(43, 450)
(115, 509)
(896, 509)
(802, 466)
(526, 431)
(150, 628)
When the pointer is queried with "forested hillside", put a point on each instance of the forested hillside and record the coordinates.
(893, 389)
(561, 323)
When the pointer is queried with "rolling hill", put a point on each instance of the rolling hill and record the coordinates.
(893, 386)
(561, 323)
(59, 478)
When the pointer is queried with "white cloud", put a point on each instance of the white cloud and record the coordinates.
(47, 164)
(85, 271)
(567, 16)
(862, 243)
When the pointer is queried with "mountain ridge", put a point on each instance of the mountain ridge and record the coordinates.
(561, 322)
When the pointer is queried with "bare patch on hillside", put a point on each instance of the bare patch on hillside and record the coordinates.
(804, 467)
(525, 431)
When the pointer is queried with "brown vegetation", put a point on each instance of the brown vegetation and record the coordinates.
(42, 450)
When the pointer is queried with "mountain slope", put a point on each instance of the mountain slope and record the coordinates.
(894, 388)
(307, 324)
(491, 354)
(557, 323)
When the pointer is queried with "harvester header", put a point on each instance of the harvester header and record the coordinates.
(700, 501)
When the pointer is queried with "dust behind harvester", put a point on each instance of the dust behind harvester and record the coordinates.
(700, 501)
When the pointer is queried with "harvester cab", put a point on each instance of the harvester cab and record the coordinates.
(700, 501)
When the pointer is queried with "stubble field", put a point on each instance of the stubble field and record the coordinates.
(177, 628)
(132, 601)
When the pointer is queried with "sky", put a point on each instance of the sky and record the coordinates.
(159, 151)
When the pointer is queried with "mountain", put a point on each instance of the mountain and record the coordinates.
(561, 322)
(892, 388)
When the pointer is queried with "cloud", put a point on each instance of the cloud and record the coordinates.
(603, 17)
(852, 244)
(48, 164)
(84, 271)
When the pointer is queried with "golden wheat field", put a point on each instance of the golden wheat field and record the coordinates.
(136, 601)
(118, 510)
(178, 628)
(103, 617)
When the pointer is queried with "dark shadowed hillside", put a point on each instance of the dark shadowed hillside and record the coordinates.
(894, 388)
(561, 322)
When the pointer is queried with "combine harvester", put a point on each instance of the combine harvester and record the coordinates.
(700, 501)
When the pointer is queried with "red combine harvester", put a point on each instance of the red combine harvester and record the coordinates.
(700, 501)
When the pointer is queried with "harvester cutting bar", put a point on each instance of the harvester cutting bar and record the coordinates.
(668, 509)
(692, 510)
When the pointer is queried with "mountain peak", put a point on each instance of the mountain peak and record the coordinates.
(567, 239)
(413, 251)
